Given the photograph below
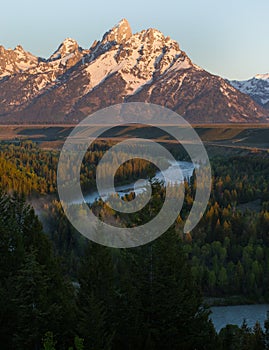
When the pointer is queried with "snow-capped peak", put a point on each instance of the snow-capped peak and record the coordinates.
(138, 60)
(19, 48)
(154, 34)
(69, 44)
(14, 61)
(119, 33)
(123, 67)
(257, 88)
(123, 23)
(67, 47)
(262, 76)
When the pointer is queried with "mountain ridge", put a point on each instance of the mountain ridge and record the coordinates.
(257, 88)
(145, 66)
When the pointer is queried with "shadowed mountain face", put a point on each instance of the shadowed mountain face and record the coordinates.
(122, 67)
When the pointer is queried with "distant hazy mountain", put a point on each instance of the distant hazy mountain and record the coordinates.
(122, 67)
(257, 88)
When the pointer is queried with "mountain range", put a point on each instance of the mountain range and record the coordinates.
(257, 88)
(122, 67)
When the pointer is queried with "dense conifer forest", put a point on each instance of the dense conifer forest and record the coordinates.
(60, 291)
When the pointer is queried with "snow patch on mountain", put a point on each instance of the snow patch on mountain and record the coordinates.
(142, 57)
(15, 61)
(257, 88)
(67, 47)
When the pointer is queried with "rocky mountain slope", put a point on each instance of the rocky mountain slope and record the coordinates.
(257, 88)
(122, 67)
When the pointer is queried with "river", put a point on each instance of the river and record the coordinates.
(186, 169)
(223, 315)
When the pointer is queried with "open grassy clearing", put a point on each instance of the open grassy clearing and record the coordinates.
(228, 136)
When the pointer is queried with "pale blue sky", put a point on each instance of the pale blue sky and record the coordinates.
(228, 38)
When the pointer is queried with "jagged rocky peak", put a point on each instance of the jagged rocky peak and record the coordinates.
(262, 76)
(14, 61)
(119, 33)
(153, 39)
(153, 34)
(20, 52)
(67, 47)
(67, 54)
(19, 48)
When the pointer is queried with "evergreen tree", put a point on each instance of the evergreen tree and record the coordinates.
(164, 300)
(246, 337)
(266, 335)
(230, 338)
(258, 339)
(37, 297)
(95, 298)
